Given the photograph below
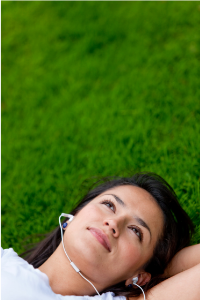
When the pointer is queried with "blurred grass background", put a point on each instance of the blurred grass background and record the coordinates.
(95, 88)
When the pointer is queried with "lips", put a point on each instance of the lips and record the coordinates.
(101, 237)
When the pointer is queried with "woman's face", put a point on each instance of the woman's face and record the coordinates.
(114, 235)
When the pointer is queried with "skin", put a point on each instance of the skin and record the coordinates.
(182, 286)
(120, 223)
(184, 277)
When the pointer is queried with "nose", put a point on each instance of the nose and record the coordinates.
(114, 226)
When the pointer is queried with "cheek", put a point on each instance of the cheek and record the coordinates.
(76, 236)
(89, 213)
(131, 255)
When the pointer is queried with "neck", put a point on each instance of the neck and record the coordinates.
(63, 279)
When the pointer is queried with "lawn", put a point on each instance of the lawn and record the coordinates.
(95, 89)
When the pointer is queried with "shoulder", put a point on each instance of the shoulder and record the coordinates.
(5, 253)
(9, 256)
(24, 278)
(10, 259)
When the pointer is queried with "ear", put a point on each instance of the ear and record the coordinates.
(143, 278)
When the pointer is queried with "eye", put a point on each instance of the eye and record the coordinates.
(138, 232)
(109, 204)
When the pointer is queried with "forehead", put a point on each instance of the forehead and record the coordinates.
(139, 203)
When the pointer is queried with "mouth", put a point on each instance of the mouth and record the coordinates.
(101, 237)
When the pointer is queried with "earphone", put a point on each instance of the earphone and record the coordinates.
(67, 216)
(135, 280)
(71, 262)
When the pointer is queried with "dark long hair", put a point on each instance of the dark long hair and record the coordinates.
(176, 234)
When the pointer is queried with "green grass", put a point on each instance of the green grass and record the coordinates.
(95, 88)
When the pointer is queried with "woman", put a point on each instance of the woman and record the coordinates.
(123, 229)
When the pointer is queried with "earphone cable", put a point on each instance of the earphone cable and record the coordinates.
(71, 263)
(90, 283)
(141, 290)
(62, 240)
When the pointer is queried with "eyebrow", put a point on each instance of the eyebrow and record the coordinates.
(139, 220)
(118, 200)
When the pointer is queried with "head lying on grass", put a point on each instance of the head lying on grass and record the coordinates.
(123, 228)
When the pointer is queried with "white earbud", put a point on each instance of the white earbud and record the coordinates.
(67, 216)
(135, 280)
